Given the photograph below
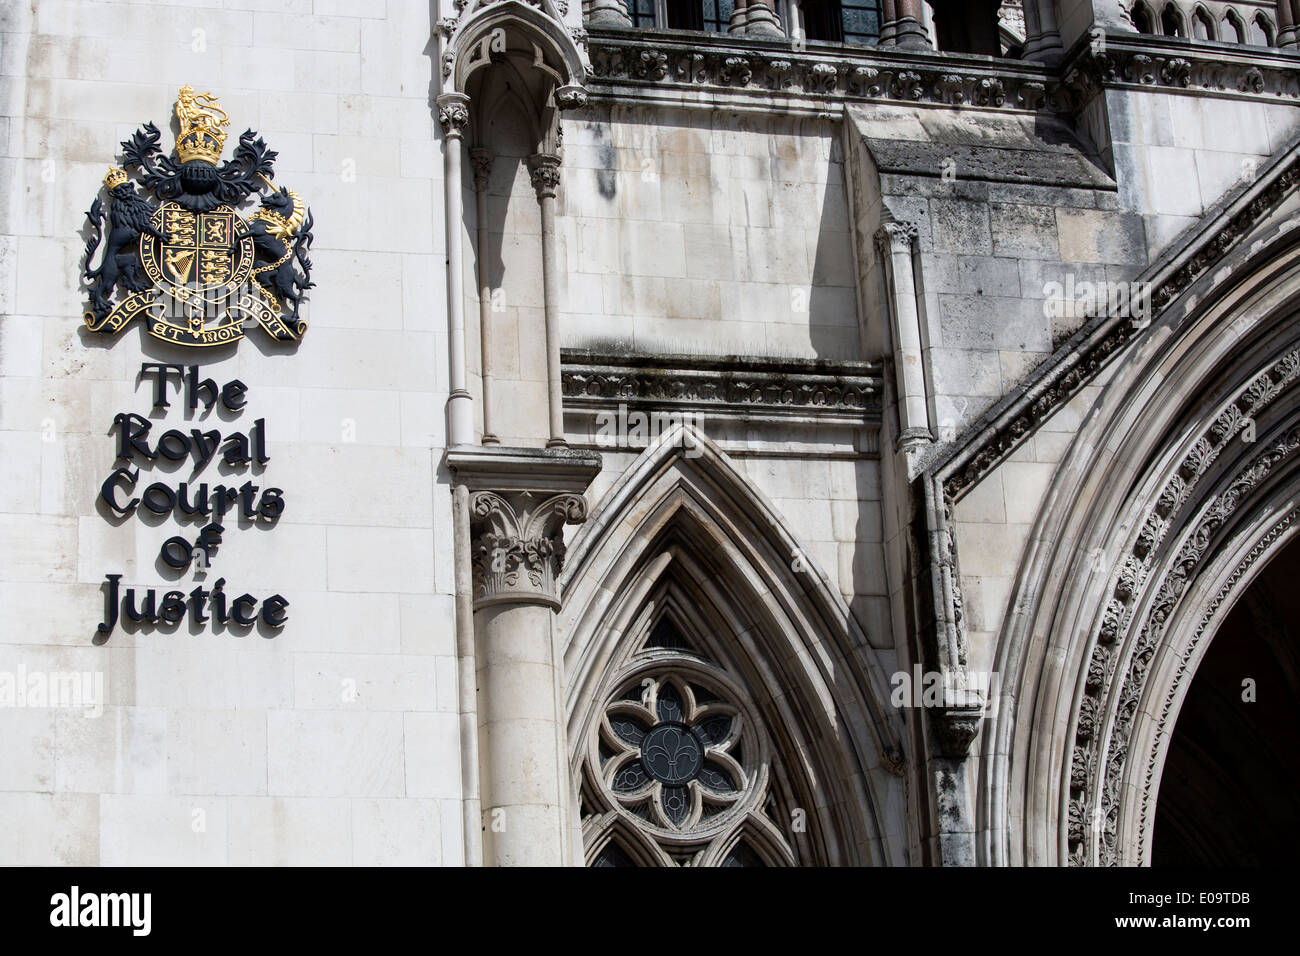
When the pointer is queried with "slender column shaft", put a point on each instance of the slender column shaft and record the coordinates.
(453, 114)
(1287, 11)
(482, 160)
(909, 29)
(888, 22)
(895, 242)
(545, 170)
(761, 19)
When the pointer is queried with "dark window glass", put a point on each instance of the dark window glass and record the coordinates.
(742, 855)
(642, 13)
(613, 855)
(842, 21)
(1142, 19)
(685, 15)
(1173, 22)
(717, 15)
(861, 22)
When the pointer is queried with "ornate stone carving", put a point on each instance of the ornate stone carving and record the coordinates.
(571, 97)
(517, 550)
(956, 729)
(453, 113)
(544, 172)
(863, 74)
(1134, 61)
(820, 387)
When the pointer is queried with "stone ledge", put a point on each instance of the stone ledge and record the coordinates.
(725, 386)
(624, 59)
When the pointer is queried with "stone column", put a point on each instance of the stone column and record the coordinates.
(519, 501)
(482, 160)
(608, 13)
(544, 168)
(736, 23)
(1288, 13)
(453, 115)
(909, 26)
(761, 19)
(888, 22)
(1042, 35)
(896, 242)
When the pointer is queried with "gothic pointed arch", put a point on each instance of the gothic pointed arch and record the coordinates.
(485, 32)
(1182, 482)
(722, 699)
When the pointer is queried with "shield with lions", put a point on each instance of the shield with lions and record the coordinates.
(188, 263)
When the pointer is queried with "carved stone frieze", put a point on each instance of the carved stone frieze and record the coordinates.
(867, 74)
(810, 387)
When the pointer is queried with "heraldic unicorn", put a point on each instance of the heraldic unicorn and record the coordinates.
(189, 264)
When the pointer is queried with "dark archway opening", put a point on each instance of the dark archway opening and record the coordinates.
(1230, 793)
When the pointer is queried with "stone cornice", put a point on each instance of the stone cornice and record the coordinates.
(729, 385)
(623, 60)
(1137, 61)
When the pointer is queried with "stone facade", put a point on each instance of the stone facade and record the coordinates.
(670, 403)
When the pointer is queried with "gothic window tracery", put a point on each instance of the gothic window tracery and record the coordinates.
(680, 764)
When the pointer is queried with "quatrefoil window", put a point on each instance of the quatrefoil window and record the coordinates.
(676, 753)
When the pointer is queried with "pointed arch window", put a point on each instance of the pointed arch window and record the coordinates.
(1142, 18)
(1202, 25)
(1172, 21)
(1234, 30)
(1261, 31)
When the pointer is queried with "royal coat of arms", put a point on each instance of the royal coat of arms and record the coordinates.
(188, 263)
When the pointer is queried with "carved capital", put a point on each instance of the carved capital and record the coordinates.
(517, 545)
(544, 170)
(956, 728)
(482, 162)
(894, 237)
(571, 97)
(453, 114)
(520, 499)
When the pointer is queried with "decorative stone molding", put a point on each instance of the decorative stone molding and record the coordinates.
(571, 97)
(518, 545)
(956, 729)
(1137, 61)
(453, 114)
(1163, 728)
(761, 67)
(1110, 764)
(544, 172)
(837, 390)
(520, 501)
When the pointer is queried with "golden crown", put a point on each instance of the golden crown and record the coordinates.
(114, 177)
(201, 120)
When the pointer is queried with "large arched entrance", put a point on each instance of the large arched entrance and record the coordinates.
(1230, 790)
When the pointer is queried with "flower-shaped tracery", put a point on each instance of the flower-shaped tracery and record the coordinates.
(673, 753)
